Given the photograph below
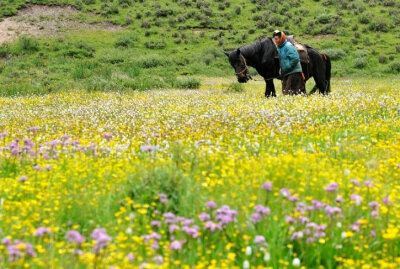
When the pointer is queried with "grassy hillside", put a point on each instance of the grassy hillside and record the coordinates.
(163, 41)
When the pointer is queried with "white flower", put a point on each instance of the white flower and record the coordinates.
(339, 225)
(248, 251)
(129, 230)
(296, 262)
(267, 257)
(300, 234)
(246, 264)
(343, 235)
(346, 172)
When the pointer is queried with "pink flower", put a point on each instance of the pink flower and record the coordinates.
(204, 216)
(259, 239)
(267, 186)
(176, 245)
(42, 231)
(75, 237)
(23, 178)
(285, 192)
(211, 204)
(356, 198)
(332, 187)
(209, 225)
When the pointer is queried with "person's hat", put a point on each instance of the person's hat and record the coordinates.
(277, 33)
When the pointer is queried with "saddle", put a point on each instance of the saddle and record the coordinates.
(301, 49)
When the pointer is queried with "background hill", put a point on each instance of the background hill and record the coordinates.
(127, 44)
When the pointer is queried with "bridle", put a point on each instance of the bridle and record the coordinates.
(245, 69)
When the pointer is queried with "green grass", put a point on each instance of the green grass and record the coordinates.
(167, 39)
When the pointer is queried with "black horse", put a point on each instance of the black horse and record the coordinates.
(262, 55)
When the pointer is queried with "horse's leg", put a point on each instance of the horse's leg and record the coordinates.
(270, 88)
(313, 90)
(321, 83)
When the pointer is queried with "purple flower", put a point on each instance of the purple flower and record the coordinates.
(155, 223)
(191, 231)
(33, 129)
(356, 198)
(176, 245)
(173, 228)
(329, 210)
(23, 178)
(317, 205)
(267, 186)
(107, 136)
(42, 231)
(14, 253)
(130, 257)
(37, 168)
(102, 239)
(75, 237)
(355, 182)
(256, 217)
(303, 219)
(339, 199)
(48, 167)
(148, 237)
(373, 204)
(155, 245)
(204, 216)
(209, 225)
(6, 241)
(386, 200)
(262, 210)
(293, 198)
(375, 213)
(226, 215)
(332, 187)
(297, 235)
(169, 217)
(290, 219)
(211, 204)
(163, 198)
(158, 259)
(368, 183)
(310, 240)
(188, 222)
(149, 148)
(259, 239)
(373, 233)
(355, 227)
(285, 192)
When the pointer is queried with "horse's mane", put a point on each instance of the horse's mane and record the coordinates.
(255, 47)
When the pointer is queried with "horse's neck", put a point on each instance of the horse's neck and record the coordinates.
(251, 53)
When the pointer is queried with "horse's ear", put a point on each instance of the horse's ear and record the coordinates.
(226, 53)
(238, 51)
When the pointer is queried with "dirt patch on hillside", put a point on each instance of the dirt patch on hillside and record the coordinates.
(41, 20)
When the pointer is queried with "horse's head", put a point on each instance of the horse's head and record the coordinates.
(238, 62)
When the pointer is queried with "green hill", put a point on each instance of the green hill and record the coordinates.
(162, 42)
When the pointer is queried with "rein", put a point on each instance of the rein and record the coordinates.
(245, 69)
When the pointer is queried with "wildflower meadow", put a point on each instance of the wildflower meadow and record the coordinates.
(206, 178)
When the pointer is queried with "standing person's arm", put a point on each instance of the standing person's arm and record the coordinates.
(293, 57)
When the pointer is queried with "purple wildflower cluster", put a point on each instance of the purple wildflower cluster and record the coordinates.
(17, 249)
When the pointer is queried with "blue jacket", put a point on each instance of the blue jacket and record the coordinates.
(289, 59)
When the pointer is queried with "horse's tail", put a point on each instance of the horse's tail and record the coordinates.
(328, 71)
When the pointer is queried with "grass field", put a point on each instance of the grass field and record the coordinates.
(107, 45)
(202, 178)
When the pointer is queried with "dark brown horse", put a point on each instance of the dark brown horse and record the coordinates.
(262, 55)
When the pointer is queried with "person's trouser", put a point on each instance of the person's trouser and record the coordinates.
(293, 84)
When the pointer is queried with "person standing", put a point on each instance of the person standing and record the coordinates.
(293, 81)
